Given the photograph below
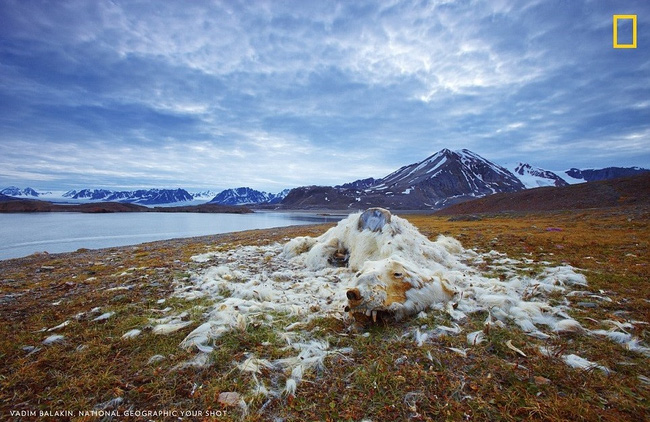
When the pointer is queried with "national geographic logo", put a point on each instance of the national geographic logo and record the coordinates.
(624, 18)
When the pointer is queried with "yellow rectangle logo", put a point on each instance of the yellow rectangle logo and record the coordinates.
(628, 17)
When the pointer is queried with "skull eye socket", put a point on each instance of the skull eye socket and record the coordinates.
(353, 294)
(398, 275)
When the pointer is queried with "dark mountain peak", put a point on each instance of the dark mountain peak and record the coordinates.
(450, 170)
(359, 184)
(522, 168)
(442, 178)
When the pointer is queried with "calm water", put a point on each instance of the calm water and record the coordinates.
(24, 234)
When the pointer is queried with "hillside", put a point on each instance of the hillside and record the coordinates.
(634, 190)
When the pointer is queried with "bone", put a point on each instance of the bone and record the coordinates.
(374, 219)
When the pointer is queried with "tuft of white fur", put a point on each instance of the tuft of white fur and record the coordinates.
(629, 342)
(576, 361)
(131, 333)
(462, 352)
(254, 365)
(442, 329)
(476, 337)
(202, 360)
(171, 327)
(104, 316)
(615, 336)
(397, 238)
(259, 389)
(634, 345)
(55, 338)
(568, 326)
(290, 387)
(58, 327)
(155, 359)
(420, 338)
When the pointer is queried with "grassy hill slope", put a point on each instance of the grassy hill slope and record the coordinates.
(633, 190)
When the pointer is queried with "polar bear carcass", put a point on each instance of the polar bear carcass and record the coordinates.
(394, 270)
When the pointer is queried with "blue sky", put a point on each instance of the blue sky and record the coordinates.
(277, 94)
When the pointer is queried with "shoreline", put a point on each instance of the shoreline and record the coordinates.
(177, 242)
(16, 206)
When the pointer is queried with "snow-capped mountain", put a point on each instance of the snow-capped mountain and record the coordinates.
(444, 178)
(247, 196)
(240, 196)
(90, 194)
(141, 196)
(535, 177)
(593, 175)
(451, 173)
(158, 197)
(17, 192)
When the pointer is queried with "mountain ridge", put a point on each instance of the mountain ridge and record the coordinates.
(442, 179)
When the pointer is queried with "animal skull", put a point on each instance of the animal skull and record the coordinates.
(392, 289)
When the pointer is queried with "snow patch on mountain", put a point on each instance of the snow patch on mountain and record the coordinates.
(535, 177)
(205, 195)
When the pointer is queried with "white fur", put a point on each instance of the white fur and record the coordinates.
(272, 285)
(131, 333)
(55, 338)
(58, 327)
(576, 361)
(104, 317)
(171, 327)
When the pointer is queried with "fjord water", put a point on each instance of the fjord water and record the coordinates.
(26, 233)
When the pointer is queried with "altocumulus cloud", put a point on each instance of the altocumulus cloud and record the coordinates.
(280, 94)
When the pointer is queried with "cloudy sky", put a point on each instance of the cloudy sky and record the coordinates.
(277, 94)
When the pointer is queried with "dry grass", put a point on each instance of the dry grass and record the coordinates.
(387, 377)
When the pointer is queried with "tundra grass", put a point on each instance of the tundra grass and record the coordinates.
(386, 376)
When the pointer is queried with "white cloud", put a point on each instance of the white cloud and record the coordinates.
(281, 94)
